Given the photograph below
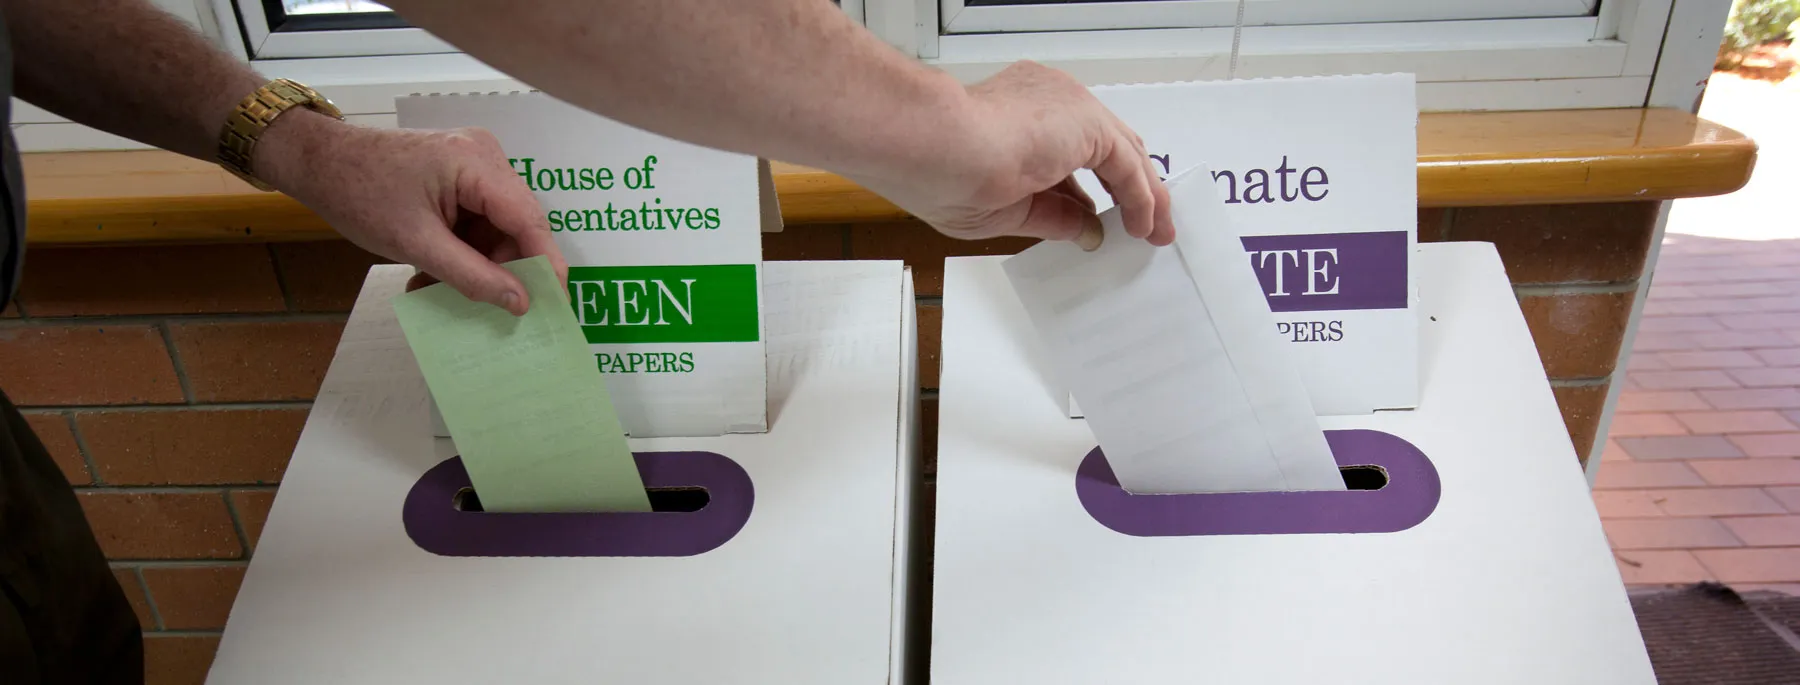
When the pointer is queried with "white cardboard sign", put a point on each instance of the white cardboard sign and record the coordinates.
(664, 246)
(1319, 176)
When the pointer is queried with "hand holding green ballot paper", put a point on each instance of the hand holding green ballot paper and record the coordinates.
(526, 405)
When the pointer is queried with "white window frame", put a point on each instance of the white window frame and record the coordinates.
(957, 17)
(265, 44)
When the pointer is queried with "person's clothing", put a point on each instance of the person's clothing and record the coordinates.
(64, 619)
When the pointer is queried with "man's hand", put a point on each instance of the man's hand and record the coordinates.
(443, 201)
(1033, 127)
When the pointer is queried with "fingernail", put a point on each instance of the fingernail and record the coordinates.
(510, 302)
(1090, 236)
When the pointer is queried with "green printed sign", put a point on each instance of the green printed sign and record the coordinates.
(709, 303)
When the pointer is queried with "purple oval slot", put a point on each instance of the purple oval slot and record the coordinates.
(1411, 494)
(436, 525)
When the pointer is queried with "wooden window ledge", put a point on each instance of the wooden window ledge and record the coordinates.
(1465, 160)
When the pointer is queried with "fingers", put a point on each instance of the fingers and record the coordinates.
(1126, 172)
(471, 273)
(491, 189)
(1058, 215)
(1162, 231)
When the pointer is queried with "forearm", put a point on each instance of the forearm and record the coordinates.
(126, 67)
(794, 80)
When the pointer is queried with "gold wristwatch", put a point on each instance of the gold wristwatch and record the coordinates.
(237, 142)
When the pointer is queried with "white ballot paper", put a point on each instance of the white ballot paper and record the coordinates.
(1174, 355)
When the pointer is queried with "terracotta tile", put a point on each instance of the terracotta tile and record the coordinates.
(1789, 497)
(1654, 341)
(1738, 289)
(1665, 567)
(1577, 335)
(1715, 502)
(194, 597)
(1737, 340)
(1735, 322)
(192, 446)
(323, 276)
(1618, 504)
(924, 249)
(1791, 336)
(59, 440)
(1598, 243)
(251, 362)
(1765, 531)
(75, 365)
(1679, 447)
(1766, 377)
(178, 659)
(1660, 400)
(161, 525)
(1434, 225)
(1682, 380)
(806, 242)
(1785, 356)
(1756, 398)
(1753, 565)
(1581, 406)
(1640, 360)
(1632, 475)
(1783, 588)
(1709, 359)
(1663, 291)
(134, 591)
(1734, 305)
(186, 279)
(1640, 425)
(1678, 324)
(1771, 445)
(1613, 452)
(1710, 422)
(1765, 471)
(252, 507)
(1664, 533)
(931, 333)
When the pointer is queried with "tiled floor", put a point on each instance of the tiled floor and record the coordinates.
(1701, 479)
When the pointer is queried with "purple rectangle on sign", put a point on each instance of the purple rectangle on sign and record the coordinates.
(1331, 271)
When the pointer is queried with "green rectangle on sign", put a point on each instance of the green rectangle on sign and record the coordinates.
(665, 304)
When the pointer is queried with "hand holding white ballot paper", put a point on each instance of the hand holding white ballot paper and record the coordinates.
(1174, 356)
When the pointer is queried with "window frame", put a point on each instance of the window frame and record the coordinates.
(261, 42)
(958, 17)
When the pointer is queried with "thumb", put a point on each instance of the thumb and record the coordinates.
(475, 276)
(1057, 215)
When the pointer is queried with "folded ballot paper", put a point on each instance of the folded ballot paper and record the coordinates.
(1174, 356)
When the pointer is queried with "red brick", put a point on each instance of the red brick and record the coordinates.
(161, 525)
(189, 279)
(324, 276)
(1783, 588)
(194, 597)
(1639, 425)
(1733, 305)
(1641, 360)
(252, 507)
(1678, 324)
(1577, 335)
(1666, 567)
(74, 365)
(178, 659)
(931, 333)
(1660, 400)
(192, 446)
(1663, 291)
(1658, 533)
(1735, 322)
(1737, 340)
(1434, 225)
(1760, 421)
(1770, 445)
(1788, 356)
(1715, 502)
(1753, 398)
(1789, 497)
(924, 249)
(1653, 341)
(1595, 243)
(1617, 504)
(59, 440)
(1769, 471)
(250, 362)
(1680, 447)
(1709, 359)
(1755, 565)
(1766, 531)
(1646, 474)
(1681, 380)
(1736, 289)
(1766, 377)
(806, 242)
(134, 591)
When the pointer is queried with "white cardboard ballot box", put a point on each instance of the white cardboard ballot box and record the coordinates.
(1479, 560)
(373, 569)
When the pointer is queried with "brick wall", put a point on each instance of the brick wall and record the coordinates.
(171, 383)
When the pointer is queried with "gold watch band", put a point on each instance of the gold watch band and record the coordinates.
(245, 126)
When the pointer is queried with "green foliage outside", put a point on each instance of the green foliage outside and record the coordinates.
(1754, 23)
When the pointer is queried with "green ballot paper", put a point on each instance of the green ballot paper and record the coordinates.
(522, 398)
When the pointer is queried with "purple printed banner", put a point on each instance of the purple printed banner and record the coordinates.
(1331, 271)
